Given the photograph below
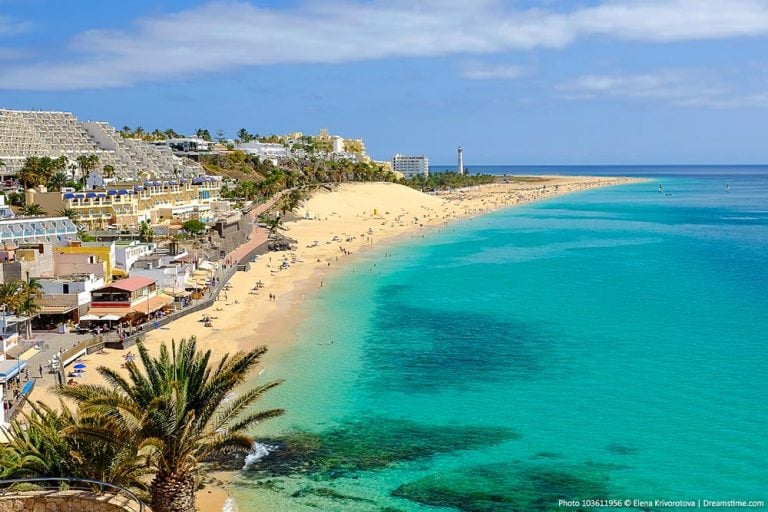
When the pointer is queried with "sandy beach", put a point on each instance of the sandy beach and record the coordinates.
(335, 226)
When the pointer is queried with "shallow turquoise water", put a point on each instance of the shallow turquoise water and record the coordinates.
(609, 344)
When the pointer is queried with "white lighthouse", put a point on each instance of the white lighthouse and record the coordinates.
(460, 168)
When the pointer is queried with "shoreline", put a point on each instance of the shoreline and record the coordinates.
(356, 217)
(285, 321)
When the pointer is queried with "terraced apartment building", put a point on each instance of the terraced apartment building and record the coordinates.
(25, 133)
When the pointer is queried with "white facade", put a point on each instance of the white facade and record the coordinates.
(410, 166)
(69, 291)
(70, 284)
(173, 277)
(266, 150)
(128, 254)
(187, 144)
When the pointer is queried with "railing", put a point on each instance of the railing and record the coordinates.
(85, 345)
(73, 484)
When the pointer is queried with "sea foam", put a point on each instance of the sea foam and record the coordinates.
(258, 451)
(229, 505)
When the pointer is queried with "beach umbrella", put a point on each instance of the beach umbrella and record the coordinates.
(79, 366)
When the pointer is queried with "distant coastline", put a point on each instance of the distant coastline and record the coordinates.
(634, 170)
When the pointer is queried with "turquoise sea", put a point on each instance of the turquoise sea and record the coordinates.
(605, 345)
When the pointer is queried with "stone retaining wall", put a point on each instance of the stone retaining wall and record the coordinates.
(66, 501)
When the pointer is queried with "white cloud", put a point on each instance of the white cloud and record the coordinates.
(675, 20)
(480, 71)
(677, 87)
(668, 84)
(225, 35)
(9, 26)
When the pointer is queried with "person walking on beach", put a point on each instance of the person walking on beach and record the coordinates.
(40, 369)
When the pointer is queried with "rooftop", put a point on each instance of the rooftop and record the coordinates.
(131, 284)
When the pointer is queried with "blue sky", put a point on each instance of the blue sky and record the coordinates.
(515, 82)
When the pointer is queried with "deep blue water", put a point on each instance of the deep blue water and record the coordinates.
(609, 344)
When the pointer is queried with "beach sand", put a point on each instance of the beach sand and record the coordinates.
(334, 227)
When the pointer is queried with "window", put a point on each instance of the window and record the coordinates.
(65, 288)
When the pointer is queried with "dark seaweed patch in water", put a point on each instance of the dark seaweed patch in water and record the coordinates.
(620, 449)
(372, 444)
(547, 455)
(327, 492)
(444, 347)
(506, 488)
(609, 466)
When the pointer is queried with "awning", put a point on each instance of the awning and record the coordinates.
(100, 312)
(55, 310)
(9, 369)
(154, 303)
(28, 354)
(111, 317)
(89, 316)
(176, 293)
(148, 306)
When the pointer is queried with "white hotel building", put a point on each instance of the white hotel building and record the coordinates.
(410, 166)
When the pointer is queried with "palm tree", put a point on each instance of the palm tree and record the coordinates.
(292, 201)
(109, 171)
(69, 213)
(83, 234)
(243, 135)
(247, 190)
(272, 224)
(57, 181)
(9, 294)
(177, 409)
(146, 233)
(50, 442)
(29, 174)
(38, 449)
(32, 209)
(87, 164)
(29, 291)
